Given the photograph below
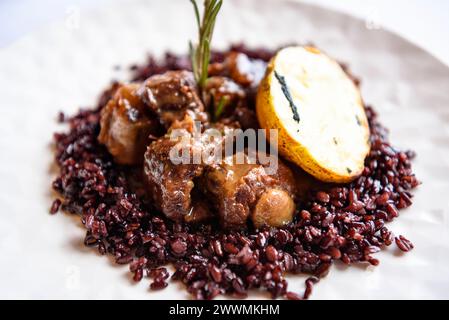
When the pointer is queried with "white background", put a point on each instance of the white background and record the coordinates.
(425, 23)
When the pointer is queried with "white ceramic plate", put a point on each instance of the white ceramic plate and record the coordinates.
(67, 65)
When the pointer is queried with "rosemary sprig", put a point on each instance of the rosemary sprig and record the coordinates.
(220, 107)
(200, 54)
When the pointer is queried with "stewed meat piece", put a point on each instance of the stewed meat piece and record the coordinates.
(126, 125)
(247, 191)
(136, 114)
(246, 117)
(232, 98)
(222, 89)
(240, 68)
(245, 71)
(170, 95)
(171, 184)
(174, 162)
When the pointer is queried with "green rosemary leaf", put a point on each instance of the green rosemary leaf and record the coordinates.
(210, 17)
(205, 63)
(197, 13)
(220, 107)
(192, 56)
(200, 54)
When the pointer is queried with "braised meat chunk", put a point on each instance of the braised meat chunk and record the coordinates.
(240, 68)
(245, 71)
(236, 80)
(171, 184)
(243, 191)
(170, 95)
(126, 126)
(222, 89)
(228, 102)
(136, 112)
